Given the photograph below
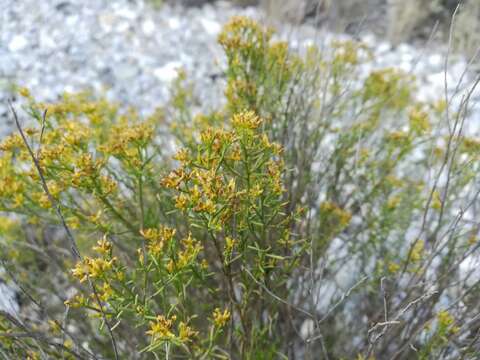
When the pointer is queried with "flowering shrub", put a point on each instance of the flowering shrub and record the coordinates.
(309, 216)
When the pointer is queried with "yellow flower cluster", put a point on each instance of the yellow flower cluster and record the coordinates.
(92, 267)
(105, 292)
(220, 318)
(229, 244)
(389, 87)
(175, 179)
(446, 323)
(74, 133)
(243, 33)
(398, 137)
(103, 247)
(185, 332)
(157, 238)
(190, 250)
(348, 52)
(247, 120)
(470, 145)
(240, 90)
(161, 328)
(229, 172)
(11, 142)
(206, 191)
(419, 120)
(77, 301)
(417, 251)
(127, 139)
(335, 215)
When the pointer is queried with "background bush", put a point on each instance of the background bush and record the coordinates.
(319, 211)
(397, 21)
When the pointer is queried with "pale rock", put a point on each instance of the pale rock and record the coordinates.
(211, 27)
(174, 23)
(436, 61)
(307, 329)
(8, 301)
(125, 71)
(168, 72)
(122, 26)
(18, 43)
(383, 47)
(127, 13)
(46, 41)
(106, 22)
(148, 27)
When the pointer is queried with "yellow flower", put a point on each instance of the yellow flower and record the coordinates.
(44, 201)
(77, 301)
(182, 156)
(332, 212)
(103, 246)
(206, 206)
(393, 202)
(186, 333)
(170, 266)
(73, 222)
(247, 120)
(181, 202)
(23, 91)
(174, 179)
(220, 318)
(94, 268)
(229, 244)
(99, 266)
(54, 326)
(11, 142)
(161, 328)
(472, 240)
(417, 251)
(444, 318)
(18, 200)
(157, 238)
(446, 323)
(80, 271)
(419, 122)
(189, 253)
(106, 292)
(393, 267)
(436, 200)
(108, 185)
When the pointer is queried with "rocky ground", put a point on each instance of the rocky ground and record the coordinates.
(131, 50)
(126, 49)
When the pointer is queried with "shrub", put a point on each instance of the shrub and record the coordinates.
(315, 212)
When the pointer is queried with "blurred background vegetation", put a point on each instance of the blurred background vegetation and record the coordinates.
(395, 20)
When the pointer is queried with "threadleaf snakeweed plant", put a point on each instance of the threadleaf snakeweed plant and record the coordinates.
(317, 213)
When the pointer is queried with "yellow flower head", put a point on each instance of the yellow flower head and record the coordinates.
(185, 332)
(246, 120)
(157, 238)
(103, 246)
(161, 328)
(220, 318)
